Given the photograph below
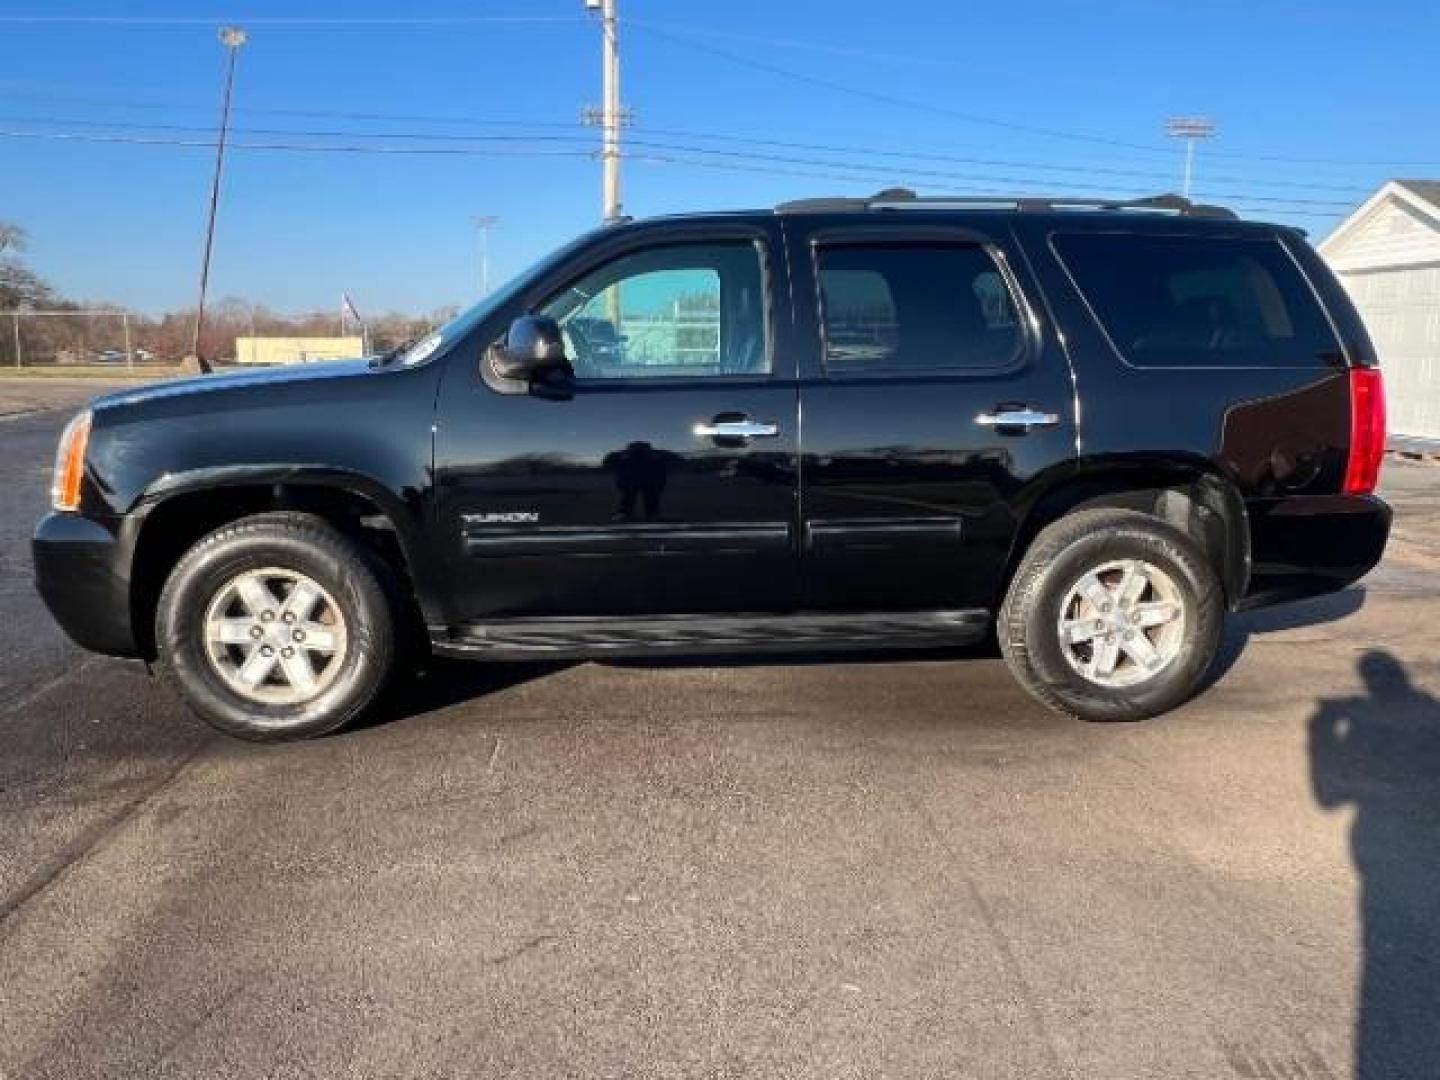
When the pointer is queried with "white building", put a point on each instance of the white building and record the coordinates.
(1387, 254)
(296, 350)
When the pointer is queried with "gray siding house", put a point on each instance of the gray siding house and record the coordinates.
(1387, 254)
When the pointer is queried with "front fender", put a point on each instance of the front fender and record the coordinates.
(405, 519)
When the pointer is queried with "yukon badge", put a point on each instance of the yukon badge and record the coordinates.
(510, 517)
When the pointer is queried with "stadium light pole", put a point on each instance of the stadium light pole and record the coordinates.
(1191, 129)
(483, 224)
(232, 37)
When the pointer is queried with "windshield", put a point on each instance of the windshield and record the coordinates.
(457, 328)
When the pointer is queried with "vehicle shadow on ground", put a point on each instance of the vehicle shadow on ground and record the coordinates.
(446, 682)
(452, 682)
(1299, 615)
(1380, 753)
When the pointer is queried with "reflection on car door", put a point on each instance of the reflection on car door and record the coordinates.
(665, 481)
(931, 395)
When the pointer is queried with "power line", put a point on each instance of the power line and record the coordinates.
(963, 177)
(280, 22)
(662, 159)
(657, 30)
(852, 52)
(209, 144)
(911, 155)
(683, 34)
(891, 99)
(662, 153)
(291, 132)
(431, 118)
(880, 171)
(867, 152)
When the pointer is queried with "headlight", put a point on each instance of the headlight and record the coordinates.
(70, 463)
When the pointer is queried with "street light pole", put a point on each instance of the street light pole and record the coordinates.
(483, 224)
(232, 38)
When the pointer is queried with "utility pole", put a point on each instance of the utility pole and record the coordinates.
(483, 224)
(610, 116)
(232, 38)
(1191, 129)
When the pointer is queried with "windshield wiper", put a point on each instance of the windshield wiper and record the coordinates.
(390, 355)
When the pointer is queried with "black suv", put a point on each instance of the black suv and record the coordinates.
(841, 424)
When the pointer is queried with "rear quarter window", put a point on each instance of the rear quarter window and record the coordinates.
(1195, 301)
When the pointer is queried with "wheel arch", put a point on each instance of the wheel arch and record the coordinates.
(1191, 495)
(180, 509)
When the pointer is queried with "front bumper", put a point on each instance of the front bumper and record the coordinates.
(1309, 545)
(82, 571)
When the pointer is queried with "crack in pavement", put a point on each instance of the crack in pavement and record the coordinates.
(36, 693)
(93, 839)
(1006, 949)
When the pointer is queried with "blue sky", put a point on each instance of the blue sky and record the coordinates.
(1316, 102)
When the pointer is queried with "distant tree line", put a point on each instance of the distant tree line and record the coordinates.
(85, 332)
(234, 317)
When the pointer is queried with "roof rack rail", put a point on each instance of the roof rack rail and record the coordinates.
(905, 199)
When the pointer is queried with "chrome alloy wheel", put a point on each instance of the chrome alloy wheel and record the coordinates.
(1122, 623)
(275, 636)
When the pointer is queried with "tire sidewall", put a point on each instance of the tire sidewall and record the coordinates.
(1167, 549)
(337, 567)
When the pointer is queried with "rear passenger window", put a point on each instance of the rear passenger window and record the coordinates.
(914, 308)
(1186, 301)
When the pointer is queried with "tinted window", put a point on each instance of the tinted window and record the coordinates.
(914, 308)
(678, 310)
(1173, 301)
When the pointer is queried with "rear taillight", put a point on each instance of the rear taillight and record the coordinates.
(70, 463)
(1367, 431)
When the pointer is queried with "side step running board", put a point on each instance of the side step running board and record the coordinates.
(587, 638)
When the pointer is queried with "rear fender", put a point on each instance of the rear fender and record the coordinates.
(1186, 493)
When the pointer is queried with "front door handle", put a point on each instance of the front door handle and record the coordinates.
(736, 429)
(1023, 418)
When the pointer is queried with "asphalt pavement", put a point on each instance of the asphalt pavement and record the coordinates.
(862, 868)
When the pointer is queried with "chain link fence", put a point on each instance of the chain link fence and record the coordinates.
(86, 338)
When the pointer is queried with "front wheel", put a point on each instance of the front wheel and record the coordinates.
(1112, 615)
(276, 627)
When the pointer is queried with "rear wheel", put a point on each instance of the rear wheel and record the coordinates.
(1112, 615)
(276, 627)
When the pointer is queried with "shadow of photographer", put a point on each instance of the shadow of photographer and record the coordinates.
(1380, 753)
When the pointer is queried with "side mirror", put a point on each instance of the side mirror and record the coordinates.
(533, 347)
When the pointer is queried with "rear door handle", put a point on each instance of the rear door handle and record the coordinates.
(736, 429)
(1025, 418)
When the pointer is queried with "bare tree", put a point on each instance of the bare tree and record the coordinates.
(19, 285)
(12, 237)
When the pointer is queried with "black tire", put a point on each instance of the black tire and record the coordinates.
(1060, 555)
(291, 541)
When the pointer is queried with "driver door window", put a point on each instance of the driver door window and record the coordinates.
(682, 310)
